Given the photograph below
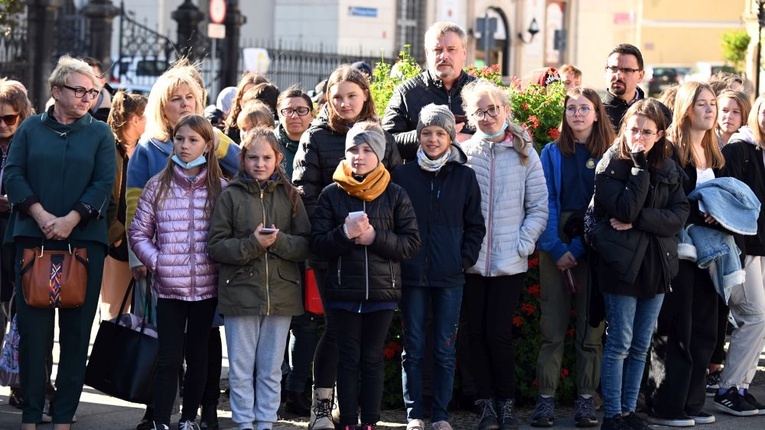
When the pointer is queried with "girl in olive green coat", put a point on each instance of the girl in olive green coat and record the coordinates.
(259, 233)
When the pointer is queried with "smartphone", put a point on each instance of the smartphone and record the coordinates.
(355, 215)
(266, 230)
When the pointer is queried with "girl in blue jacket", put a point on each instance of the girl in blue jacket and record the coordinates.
(569, 166)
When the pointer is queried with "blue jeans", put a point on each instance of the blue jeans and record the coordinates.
(631, 321)
(445, 302)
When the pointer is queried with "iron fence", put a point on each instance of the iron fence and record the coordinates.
(14, 60)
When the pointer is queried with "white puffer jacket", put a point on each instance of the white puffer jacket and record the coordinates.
(513, 202)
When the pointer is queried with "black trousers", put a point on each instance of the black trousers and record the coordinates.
(490, 304)
(683, 344)
(174, 317)
(360, 359)
(214, 366)
(325, 356)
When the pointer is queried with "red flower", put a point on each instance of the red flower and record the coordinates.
(563, 373)
(391, 349)
(554, 133)
(533, 262)
(525, 106)
(534, 290)
(528, 308)
(517, 321)
(534, 121)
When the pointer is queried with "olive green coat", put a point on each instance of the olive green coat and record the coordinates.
(254, 280)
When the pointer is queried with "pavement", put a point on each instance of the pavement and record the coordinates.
(97, 411)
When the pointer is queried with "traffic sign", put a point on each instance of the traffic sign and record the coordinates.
(216, 31)
(217, 11)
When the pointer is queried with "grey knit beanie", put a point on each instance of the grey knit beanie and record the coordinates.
(368, 132)
(439, 115)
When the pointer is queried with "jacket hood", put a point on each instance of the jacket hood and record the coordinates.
(457, 155)
(253, 186)
(744, 134)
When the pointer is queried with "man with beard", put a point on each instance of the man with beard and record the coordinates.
(624, 71)
(441, 84)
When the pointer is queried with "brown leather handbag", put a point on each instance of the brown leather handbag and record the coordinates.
(54, 279)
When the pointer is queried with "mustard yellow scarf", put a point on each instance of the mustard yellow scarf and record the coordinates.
(373, 185)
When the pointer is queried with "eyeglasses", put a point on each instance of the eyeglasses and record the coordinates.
(9, 119)
(623, 70)
(492, 111)
(80, 92)
(300, 111)
(648, 134)
(573, 110)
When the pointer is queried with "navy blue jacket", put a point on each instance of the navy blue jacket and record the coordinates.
(448, 209)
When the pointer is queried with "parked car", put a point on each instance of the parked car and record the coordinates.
(139, 70)
(659, 78)
(702, 71)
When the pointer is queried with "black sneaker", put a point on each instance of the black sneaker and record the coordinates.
(678, 421)
(15, 399)
(614, 423)
(713, 382)
(585, 412)
(488, 419)
(634, 422)
(507, 420)
(209, 418)
(733, 403)
(544, 412)
(753, 401)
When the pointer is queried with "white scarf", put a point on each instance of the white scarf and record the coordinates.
(429, 165)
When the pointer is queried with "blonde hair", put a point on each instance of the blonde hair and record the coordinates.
(256, 113)
(680, 130)
(754, 123)
(65, 67)
(440, 28)
(157, 125)
(473, 91)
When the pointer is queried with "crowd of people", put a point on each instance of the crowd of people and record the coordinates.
(226, 213)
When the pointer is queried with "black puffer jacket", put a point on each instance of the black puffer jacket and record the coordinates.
(320, 151)
(403, 110)
(448, 208)
(656, 206)
(357, 272)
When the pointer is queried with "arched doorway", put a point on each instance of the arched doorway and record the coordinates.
(499, 48)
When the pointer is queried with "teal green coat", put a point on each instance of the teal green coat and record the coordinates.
(253, 280)
(60, 165)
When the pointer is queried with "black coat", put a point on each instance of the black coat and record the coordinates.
(403, 110)
(357, 272)
(743, 161)
(448, 208)
(318, 155)
(616, 108)
(656, 206)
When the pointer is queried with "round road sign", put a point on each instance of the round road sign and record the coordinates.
(217, 11)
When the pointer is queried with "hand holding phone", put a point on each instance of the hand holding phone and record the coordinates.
(266, 230)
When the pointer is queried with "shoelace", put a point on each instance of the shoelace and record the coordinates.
(585, 407)
(323, 408)
(507, 411)
(188, 425)
(487, 408)
(545, 408)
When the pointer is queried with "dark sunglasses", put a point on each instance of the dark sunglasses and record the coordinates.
(9, 119)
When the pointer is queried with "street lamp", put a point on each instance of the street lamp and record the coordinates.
(534, 29)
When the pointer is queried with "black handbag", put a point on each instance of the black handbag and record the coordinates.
(124, 357)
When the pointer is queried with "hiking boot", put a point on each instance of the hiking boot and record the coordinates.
(209, 418)
(507, 420)
(753, 401)
(544, 412)
(321, 410)
(585, 412)
(731, 402)
(488, 419)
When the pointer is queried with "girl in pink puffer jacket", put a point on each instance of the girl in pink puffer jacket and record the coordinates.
(169, 236)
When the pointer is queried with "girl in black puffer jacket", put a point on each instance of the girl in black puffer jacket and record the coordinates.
(363, 225)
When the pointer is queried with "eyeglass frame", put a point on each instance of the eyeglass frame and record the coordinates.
(648, 134)
(584, 110)
(5, 119)
(481, 114)
(93, 93)
(622, 70)
(290, 111)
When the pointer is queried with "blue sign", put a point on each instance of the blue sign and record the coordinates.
(369, 12)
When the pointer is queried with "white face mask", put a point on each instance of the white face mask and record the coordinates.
(191, 164)
(492, 136)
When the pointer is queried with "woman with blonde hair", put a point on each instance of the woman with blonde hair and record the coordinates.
(514, 207)
(733, 109)
(744, 161)
(687, 325)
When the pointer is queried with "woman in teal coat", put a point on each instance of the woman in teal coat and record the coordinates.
(59, 177)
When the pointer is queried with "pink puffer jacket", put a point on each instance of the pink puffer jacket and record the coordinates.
(178, 258)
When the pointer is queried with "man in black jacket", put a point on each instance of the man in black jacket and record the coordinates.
(441, 83)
